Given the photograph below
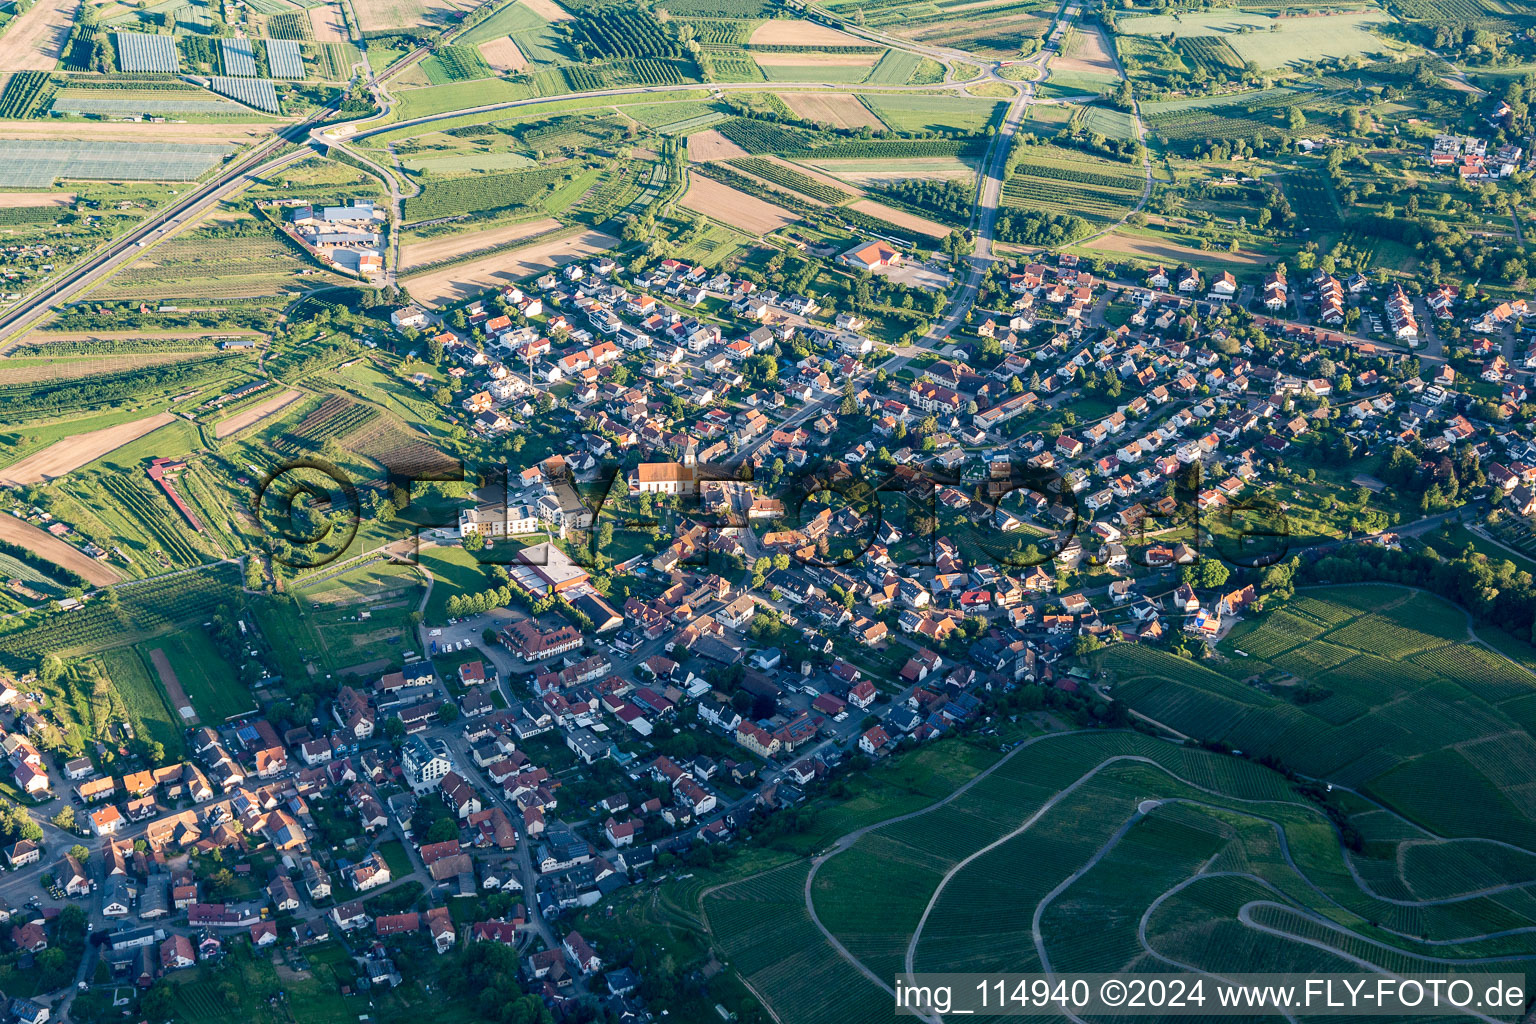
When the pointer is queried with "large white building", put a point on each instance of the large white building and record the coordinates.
(425, 762)
(499, 521)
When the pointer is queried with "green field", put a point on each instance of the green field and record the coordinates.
(934, 113)
(348, 618)
(454, 571)
(209, 681)
(150, 714)
(1271, 43)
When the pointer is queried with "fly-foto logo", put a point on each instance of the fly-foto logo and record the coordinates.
(1010, 516)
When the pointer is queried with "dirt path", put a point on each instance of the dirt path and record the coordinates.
(172, 686)
(240, 420)
(70, 454)
(19, 531)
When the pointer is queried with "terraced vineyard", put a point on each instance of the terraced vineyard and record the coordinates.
(335, 417)
(1140, 853)
(1403, 686)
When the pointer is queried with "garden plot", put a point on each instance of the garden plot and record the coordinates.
(16, 531)
(548, 10)
(1088, 52)
(448, 247)
(865, 172)
(260, 411)
(503, 54)
(27, 200)
(900, 218)
(379, 15)
(711, 145)
(328, 24)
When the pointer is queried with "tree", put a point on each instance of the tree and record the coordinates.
(80, 853)
(158, 1003)
(65, 819)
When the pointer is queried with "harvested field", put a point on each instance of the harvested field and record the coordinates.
(795, 32)
(548, 10)
(70, 454)
(840, 110)
(328, 24)
(469, 279)
(34, 41)
(17, 531)
(30, 370)
(260, 411)
(1088, 51)
(1167, 252)
(20, 200)
(900, 218)
(449, 246)
(172, 686)
(130, 131)
(378, 15)
(711, 145)
(816, 60)
(737, 209)
(503, 54)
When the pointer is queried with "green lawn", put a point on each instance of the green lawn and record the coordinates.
(151, 716)
(395, 856)
(208, 679)
(454, 571)
(933, 113)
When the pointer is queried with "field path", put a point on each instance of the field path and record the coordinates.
(19, 531)
(172, 686)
